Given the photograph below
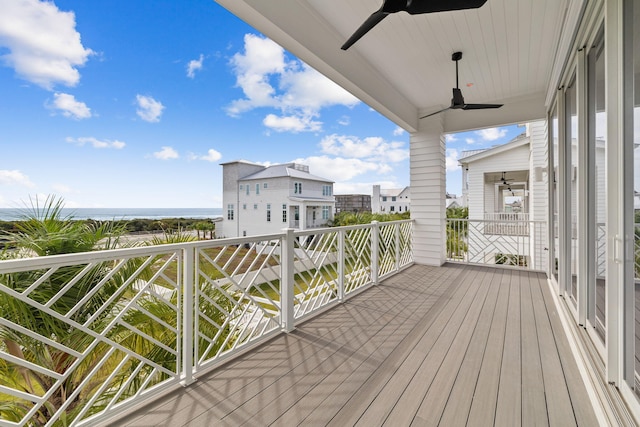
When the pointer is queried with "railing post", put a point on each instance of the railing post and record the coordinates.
(287, 281)
(188, 308)
(375, 232)
(341, 258)
(397, 245)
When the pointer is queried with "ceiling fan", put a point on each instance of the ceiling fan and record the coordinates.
(457, 102)
(413, 7)
(504, 179)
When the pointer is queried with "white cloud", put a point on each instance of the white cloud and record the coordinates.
(491, 134)
(166, 153)
(44, 46)
(268, 79)
(15, 177)
(470, 141)
(211, 156)
(70, 107)
(293, 124)
(450, 137)
(194, 65)
(344, 121)
(149, 109)
(452, 164)
(370, 148)
(398, 131)
(341, 169)
(97, 143)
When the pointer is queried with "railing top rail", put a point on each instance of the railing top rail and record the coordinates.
(502, 221)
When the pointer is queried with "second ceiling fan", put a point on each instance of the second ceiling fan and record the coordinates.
(457, 102)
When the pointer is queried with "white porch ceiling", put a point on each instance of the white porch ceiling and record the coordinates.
(403, 66)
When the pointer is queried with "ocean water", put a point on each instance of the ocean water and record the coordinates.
(104, 214)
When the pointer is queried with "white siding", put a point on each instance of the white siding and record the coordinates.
(428, 192)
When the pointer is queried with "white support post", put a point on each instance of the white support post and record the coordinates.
(287, 281)
(397, 244)
(375, 236)
(188, 309)
(428, 191)
(341, 258)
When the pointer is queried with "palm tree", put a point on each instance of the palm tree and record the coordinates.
(44, 230)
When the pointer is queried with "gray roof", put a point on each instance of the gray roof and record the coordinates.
(283, 171)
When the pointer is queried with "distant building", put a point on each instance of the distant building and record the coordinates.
(392, 200)
(453, 201)
(259, 199)
(353, 203)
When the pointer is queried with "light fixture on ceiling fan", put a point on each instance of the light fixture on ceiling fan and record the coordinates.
(457, 102)
(412, 7)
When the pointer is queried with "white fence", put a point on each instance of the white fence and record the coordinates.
(504, 242)
(86, 336)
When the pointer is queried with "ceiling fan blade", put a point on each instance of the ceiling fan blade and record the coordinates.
(480, 106)
(416, 7)
(433, 114)
(373, 20)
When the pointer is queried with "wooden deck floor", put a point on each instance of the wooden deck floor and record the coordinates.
(449, 346)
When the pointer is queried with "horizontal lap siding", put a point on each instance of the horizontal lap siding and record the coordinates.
(428, 185)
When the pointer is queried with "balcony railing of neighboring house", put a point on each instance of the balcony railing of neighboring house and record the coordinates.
(87, 336)
(509, 223)
(477, 242)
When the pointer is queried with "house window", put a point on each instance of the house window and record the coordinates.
(297, 188)
(230, 212)
(264, 185)
(284, 213)
(241, 187)
(392, 208)
(393, 199)
(255, 206)
(325, 212)
(384, 198)
(257, 188)
(247, 189)
(327, 190)
(268, 212)
(244, 206)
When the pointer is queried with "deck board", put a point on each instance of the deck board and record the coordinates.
(451, 345)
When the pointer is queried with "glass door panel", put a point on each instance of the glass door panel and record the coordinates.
(597, 183)
(571, 145)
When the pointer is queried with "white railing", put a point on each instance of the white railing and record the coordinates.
(84, 337)
(521, 243)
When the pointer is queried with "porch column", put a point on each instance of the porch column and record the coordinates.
(428, 191)
(302, 216)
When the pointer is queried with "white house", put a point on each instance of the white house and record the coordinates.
(503, 188)
(261, 199)
(390, 200)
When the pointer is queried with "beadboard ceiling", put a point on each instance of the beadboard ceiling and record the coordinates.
(403, 67)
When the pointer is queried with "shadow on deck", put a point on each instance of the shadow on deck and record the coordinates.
(452, 345)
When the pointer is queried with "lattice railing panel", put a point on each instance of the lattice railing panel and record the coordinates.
(85, 333)
(406, 243)
(388, 245)
(357, 258)
(237, 296)
(315, 271)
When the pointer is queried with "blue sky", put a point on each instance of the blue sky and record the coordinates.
(121, 103)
